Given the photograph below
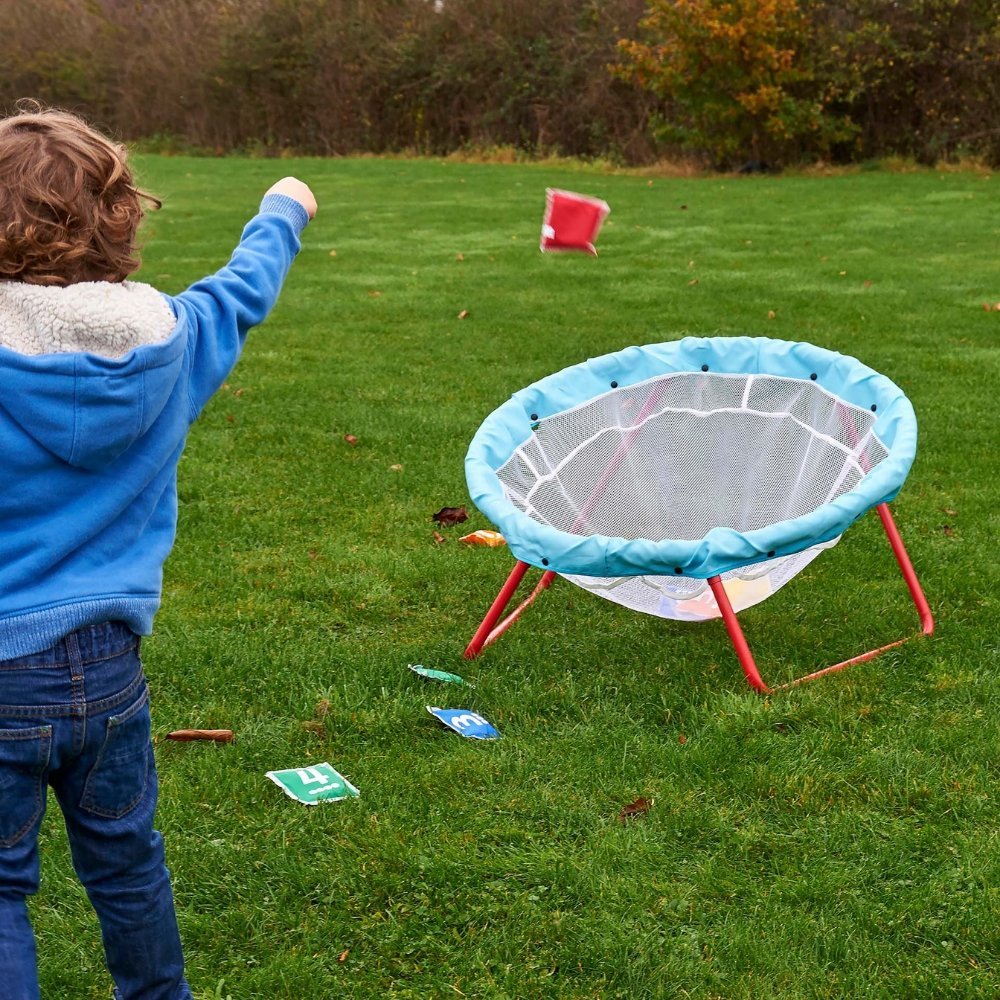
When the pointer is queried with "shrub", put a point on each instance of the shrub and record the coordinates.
(805, 79)
(727, 80)
(736, 79)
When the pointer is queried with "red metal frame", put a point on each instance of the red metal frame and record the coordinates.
(492, 627)
(489, 631)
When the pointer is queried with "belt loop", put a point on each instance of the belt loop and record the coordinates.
(75, 660)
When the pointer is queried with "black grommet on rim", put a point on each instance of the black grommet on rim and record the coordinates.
(874, 407)
(678, 570)
(614, 385)
(534, 416)
(770, 554)
(704, 368)
(545, 562)
(813, 376)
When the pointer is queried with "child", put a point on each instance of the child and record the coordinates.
(100, 379)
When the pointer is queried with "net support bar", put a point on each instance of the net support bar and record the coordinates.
(489, 631)
(742, 649)
(492, 627)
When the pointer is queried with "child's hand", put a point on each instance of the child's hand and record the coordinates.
(292, 187)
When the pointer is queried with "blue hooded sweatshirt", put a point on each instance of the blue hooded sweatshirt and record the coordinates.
(90, 435)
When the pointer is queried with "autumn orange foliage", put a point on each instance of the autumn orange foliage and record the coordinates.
(735, 77)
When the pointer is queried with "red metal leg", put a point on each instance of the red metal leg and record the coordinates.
(909, 575)
(736, 636)
(489, 631)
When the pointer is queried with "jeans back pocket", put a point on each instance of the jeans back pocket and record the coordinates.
(24, 760)
(117, 781)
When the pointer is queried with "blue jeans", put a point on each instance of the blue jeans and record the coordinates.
(76, 717)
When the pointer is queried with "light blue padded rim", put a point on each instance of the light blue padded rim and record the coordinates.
(722, 549)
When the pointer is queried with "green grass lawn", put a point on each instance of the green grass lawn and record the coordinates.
(837, 840)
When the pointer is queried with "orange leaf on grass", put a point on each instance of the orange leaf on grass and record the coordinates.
(484, 537)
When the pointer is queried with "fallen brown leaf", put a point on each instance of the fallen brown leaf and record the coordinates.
(438, 537)
(448, 516)
(464, 314)
(342, 957)
(210, 735)
(682, 739)
(350, 439)
(640, 807)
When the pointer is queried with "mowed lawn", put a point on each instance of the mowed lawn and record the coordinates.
(836, 840)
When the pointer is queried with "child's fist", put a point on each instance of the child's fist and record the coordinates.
(292, 187)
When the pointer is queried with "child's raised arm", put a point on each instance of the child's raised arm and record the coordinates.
(221, 308)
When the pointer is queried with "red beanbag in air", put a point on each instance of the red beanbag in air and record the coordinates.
(571, 221)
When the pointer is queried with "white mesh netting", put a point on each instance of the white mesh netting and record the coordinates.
(678, 455)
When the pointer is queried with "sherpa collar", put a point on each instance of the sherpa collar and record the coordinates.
(98, 317)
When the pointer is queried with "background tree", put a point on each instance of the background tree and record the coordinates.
(781, 81)
(736, 78)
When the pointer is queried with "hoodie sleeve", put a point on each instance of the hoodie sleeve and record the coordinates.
(219, 310)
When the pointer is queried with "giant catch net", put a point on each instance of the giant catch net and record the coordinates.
(683, 454)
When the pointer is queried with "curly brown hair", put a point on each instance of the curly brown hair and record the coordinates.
(69, 210)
